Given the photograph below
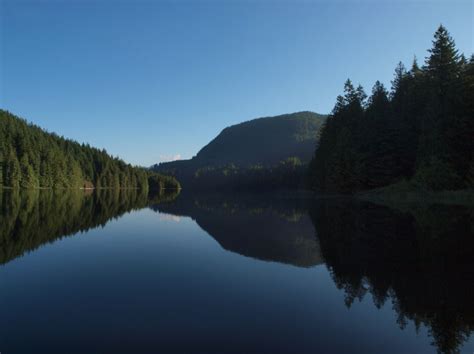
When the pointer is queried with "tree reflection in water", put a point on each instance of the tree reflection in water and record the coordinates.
(421, 259)
(31, 218)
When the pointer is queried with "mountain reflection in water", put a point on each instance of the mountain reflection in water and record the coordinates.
(419, 258)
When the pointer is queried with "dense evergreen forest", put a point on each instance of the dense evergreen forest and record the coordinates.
(422, 131)
(290, 173)
(33, 158)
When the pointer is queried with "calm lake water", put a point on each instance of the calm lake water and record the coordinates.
(119, 272)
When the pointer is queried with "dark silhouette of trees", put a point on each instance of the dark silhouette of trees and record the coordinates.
(422, 131)
(290, 173)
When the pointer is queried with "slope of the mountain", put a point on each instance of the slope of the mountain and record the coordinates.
(32, 158)
(262, 141)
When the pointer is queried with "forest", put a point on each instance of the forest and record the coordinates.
(420, 133)
(288, 174)
(33, 158)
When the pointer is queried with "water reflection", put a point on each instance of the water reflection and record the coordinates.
(254, 226)
(420, 259)
(29, 219)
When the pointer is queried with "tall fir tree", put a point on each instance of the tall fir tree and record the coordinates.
(423, 131)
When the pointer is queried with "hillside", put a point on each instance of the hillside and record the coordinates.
(33, 158)
(262, 142)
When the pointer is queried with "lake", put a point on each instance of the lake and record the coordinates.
(118, 271)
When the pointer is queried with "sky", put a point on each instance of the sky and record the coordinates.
(152, 81)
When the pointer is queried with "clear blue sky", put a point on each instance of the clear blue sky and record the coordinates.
(148, 80)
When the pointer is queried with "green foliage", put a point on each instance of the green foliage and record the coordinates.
(423, 130)
(436, 175)
(287, 174)
(33, 158)
(157, 182)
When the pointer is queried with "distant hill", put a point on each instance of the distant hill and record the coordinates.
(263, 141)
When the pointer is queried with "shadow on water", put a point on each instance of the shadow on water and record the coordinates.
(31, 218)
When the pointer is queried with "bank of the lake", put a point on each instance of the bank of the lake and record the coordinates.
(405, 193)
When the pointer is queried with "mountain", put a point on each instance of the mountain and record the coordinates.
(261, 142)
(33, 158)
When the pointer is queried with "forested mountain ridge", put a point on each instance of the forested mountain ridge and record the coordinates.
(422, 131)
(30, 157)
(269, 151)
(264, 141)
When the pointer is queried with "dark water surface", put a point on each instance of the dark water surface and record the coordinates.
(115, 272)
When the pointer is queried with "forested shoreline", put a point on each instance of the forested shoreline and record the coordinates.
(422, 131)
(33, 158)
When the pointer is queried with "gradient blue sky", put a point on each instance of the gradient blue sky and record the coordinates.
(148, 80)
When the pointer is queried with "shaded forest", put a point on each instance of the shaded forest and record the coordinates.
(33, 158)
(422, 131)
(290, 173)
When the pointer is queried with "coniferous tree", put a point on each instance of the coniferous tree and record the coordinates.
(2, 167)
(12, 171)
(423, 131)
(435, 169)
(33, 158)
(28, 177)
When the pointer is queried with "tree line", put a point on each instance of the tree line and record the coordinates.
(33, 158)
(289, 173)
(422, 131)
